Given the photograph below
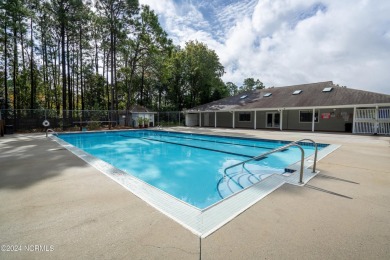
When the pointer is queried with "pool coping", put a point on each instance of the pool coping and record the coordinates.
(200, 222)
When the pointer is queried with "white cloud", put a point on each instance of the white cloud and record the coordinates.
(285, 42)
(227, 16)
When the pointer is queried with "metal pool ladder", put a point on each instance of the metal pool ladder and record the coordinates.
(278, 150)
(50, 130)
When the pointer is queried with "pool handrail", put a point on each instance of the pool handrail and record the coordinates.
(51, 130)
(315, 153)
(295, 143)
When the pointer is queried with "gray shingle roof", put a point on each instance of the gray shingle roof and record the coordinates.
(312, 95)
(139, 109)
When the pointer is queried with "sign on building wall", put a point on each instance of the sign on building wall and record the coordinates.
(325, 115)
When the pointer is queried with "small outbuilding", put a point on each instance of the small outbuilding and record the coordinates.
(321, 106)
(136, 113)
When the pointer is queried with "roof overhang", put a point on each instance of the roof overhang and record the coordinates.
(289, 108)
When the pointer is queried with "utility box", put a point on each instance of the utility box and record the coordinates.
(348, 127)
(9, 129)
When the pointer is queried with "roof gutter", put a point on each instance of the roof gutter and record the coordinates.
(289, 108)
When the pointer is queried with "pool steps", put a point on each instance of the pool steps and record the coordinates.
(263, 155)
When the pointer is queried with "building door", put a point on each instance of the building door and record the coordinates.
(206, 119)
(273, 120)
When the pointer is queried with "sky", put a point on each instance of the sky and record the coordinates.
(288, 42)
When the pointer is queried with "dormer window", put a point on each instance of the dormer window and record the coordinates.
(328, 89)
(267, 94)
(244, 96)
(297, 92)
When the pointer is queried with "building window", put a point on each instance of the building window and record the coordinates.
(244, 117)
(307, 116)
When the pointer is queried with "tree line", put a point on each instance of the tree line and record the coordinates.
(101, 55)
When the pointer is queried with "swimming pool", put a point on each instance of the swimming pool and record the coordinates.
(189, 167)
(186, 164)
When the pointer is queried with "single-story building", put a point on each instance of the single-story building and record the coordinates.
(321, 106)
(136, 111)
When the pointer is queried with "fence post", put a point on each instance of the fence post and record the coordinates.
(2, 125)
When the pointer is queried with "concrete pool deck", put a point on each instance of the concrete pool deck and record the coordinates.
(52, 199)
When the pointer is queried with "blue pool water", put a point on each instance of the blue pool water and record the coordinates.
(188, 166)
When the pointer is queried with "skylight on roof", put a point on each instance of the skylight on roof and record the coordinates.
(244, 96)
(328, 89)
(267, 94)
(297, 92)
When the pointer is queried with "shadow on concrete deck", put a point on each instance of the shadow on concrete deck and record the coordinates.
(27, 160)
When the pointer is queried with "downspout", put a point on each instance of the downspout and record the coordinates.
(313, 119)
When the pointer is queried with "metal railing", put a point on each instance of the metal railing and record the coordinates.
(278, 150)
(315, 152)
(52, 131)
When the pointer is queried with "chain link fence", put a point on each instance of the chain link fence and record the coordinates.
(31, 120)
(173, 118)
